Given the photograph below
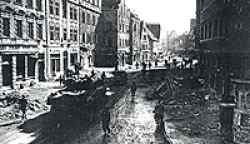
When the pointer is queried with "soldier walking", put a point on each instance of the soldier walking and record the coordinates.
(106, 121)
(133, 89)
(159, 117)
(23, 106)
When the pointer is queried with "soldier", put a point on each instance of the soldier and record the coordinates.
(149, 65)
(133, 90)
(159, 116)
(103, 76)
(23, 106)
(106, 121)
(137, 65)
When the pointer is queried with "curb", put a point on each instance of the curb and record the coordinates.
(19, 121)
(10, 122)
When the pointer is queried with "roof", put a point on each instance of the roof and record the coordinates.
(155, 29)
(151, 35)
(110, 4)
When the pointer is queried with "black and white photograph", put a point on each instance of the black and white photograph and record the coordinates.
(124, 71)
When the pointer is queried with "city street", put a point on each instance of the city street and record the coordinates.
(132, 122)
(68, 70)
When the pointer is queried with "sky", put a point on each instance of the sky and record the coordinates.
(171, 14)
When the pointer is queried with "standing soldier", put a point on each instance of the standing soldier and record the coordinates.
(61, 79)
(166, 63)
(159, 116)
(23, 106)
(103, 76)
(149, 65)
(156, 63)
(133, 91)
(144, 66)
(106, 121)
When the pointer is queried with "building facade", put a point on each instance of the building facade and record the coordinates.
(41, 39)
(71, 26)
(113, 34)
(123, 34)
(89, 18)
(135, 41)
(223, 42)
(21, 38)
(62, 42)
(154, 39)
(145, 54)
(150, 34)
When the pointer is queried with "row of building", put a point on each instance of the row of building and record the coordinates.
(123, 38)
(41, 39)
(222, 39)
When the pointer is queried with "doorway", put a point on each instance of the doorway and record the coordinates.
(7, 70)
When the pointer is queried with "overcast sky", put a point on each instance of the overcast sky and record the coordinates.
(171, 14)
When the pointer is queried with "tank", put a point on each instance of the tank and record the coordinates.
(66, 105)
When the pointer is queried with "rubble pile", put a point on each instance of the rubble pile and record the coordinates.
(194, 113)
(194, 110)
(10, 107)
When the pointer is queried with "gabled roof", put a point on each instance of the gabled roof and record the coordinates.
(155, 29)
(147, 31)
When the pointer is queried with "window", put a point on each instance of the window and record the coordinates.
(135, 28)
(202, 32)
(206, 31)
(94, 20)
(120, 27)
(215, 33)
(51, 29)
(83, 38)
(39, 5)
(30, 4)
(71, 34)
(31, 30)
(75, 14)
(71, 13)
(88, 38)
(57, 5)
(210, 30)
(19, 29)
(64, 7)
(39, 31)
(6, 26)
(75, 35)
(57, 33)
(51, 8)
(65, 34)
(88, 19)
(83, 17)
